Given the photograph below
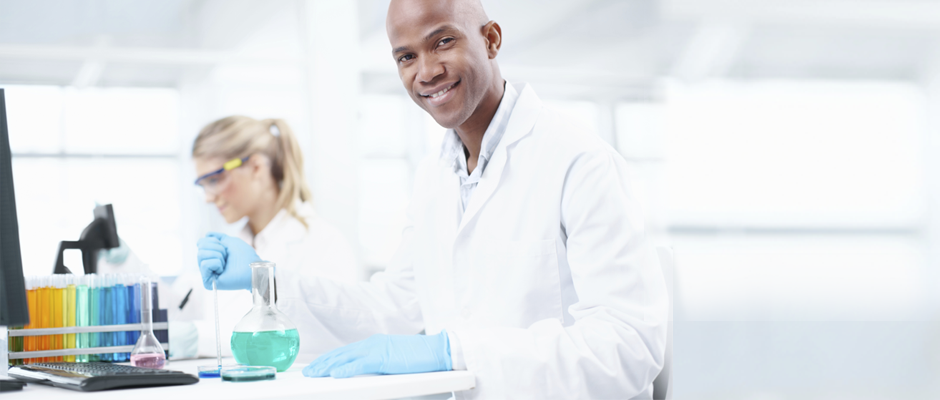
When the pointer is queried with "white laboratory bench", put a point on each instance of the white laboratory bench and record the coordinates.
(290, 384)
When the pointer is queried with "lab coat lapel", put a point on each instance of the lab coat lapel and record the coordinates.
(521, 121)
(448, 213)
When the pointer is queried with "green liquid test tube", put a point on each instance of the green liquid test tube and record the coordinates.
(82, 316)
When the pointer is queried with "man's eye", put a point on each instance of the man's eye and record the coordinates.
(445, 41)
(406, 57)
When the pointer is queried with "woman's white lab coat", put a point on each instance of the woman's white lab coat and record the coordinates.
(320, 251)
(546, 285)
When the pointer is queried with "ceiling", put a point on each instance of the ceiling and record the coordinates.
(593, 46)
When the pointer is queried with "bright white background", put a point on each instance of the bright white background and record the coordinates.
(786, 151)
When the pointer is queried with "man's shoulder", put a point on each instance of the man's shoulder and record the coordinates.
(567, 137)
(554, 131)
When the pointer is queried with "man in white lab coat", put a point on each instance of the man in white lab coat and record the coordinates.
(525, 247)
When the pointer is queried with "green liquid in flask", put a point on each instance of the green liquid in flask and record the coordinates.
(276, 349)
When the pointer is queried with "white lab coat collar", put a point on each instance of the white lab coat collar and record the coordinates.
(521, 121)
(452, 148)
(283, 226)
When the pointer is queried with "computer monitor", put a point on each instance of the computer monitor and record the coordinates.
(101, 233)
(13, 309)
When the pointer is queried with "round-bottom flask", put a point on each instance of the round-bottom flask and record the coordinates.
(264, 336)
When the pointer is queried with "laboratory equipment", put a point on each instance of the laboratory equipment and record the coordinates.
(32, 343)
(244, 373)
(82, 316)
(214, 371)
(147, 353)
(119, 316)
(265, 336)
(101, 233)
(209, 371)
(71, 314)
(45, 314)
(133, 309)
(57, 288)
(13, 303)
(90, 377)
(218, 335)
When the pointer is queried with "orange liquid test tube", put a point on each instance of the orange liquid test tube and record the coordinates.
(45, 315)
(30, 343)
(58, 314)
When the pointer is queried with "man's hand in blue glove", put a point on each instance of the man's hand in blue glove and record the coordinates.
(385, 354)
(226, 259)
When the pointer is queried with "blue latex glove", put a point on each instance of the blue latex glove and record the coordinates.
(385, 354)
(226, 259)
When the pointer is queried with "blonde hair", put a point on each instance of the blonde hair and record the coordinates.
(239, 136)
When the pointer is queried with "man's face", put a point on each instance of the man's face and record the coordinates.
(442, 60)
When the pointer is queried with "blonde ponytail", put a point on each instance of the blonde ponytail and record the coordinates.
(290, 167)
(240, 136)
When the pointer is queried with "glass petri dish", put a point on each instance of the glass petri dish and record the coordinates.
(248, 373)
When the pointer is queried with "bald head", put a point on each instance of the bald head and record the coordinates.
(466, 12)
(446, 51)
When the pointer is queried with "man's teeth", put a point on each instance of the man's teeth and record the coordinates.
(433, 95)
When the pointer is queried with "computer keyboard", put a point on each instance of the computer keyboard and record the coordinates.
(90, 377)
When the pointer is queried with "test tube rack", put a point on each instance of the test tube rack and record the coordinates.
(16, 355)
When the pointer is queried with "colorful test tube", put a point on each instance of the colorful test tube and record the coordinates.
(135, 304)
(70, 316)
(118, 310)
(94, 306)
(46, 293)
(107, 317)
(82, 316)
(58, 314)
(30, 341)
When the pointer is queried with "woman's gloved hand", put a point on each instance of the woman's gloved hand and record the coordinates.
(385, 354)
(227, 260)
(117, 255)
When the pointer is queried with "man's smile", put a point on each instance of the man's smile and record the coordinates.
(439, 94)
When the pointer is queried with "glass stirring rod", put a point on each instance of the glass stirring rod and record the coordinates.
(218, 336)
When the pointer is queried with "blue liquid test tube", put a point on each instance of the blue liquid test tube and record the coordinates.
(105, 338)
(133, 310)
(119, 312)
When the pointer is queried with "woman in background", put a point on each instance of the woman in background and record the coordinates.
(253, 170)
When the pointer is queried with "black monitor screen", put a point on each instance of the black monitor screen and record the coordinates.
(13, 308)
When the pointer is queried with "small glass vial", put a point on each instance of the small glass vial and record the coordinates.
(147, 353)
(264, 336)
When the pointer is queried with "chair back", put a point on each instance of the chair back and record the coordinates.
(662, 385)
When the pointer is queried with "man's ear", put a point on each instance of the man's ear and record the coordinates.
(493, 35)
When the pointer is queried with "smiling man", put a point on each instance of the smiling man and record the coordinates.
(524, 260)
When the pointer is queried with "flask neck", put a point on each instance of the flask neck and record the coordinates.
(262, 285)
(146, 308)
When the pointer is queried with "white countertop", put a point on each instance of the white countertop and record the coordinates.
(288, 385)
